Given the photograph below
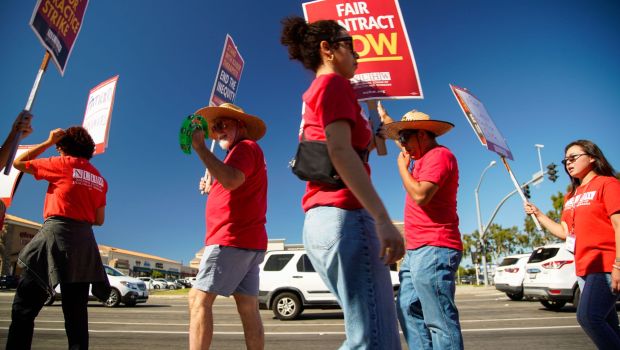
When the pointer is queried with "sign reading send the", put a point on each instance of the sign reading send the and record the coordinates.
(386, 66)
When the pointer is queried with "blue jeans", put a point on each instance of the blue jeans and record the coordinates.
(344, 250)
(596, 312)
(427, 313)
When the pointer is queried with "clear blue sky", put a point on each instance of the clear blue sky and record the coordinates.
(547, 72)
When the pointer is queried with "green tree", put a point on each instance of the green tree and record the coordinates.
(157, 274)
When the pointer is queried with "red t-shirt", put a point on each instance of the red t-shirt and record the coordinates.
(436, 223)
(237, 218)
(595, 241)
(331, 98)
(76, 189)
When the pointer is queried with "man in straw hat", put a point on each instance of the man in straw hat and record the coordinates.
(236, 239)
(426, 310)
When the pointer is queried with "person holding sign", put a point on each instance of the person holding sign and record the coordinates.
(64, 250)
(236, 239)
(427, 312)
(590, 225)
(348, 234)
(21, 124)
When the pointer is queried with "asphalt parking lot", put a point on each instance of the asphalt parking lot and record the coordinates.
(489, 321)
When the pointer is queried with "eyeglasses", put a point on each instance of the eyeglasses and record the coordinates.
(572, 158)
(403, 136)
(348, 42)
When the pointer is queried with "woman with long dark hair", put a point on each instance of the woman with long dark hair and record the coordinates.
(64, 251)
(590, 225)
(347, 232)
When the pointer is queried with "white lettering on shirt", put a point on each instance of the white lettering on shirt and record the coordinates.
(579, 200)
(86, 178)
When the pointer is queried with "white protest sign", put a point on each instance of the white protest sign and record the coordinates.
(98, 114)
(8, 183)
(480, 120)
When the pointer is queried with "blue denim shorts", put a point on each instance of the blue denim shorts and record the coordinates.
(226, 270)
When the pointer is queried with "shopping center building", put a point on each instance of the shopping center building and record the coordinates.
(17, 232)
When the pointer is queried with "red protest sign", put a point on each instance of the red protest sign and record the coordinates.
(228, 74)
(386, 66)
(57, 25)
(98, 114)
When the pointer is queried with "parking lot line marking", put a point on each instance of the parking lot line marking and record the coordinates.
(517, 328)
(296, 333)
(518, 319)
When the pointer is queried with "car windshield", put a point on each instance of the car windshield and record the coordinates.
(112, 272)
(542, 254)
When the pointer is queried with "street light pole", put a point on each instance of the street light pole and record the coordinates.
(480, 228)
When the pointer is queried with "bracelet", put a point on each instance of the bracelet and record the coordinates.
(616, 267)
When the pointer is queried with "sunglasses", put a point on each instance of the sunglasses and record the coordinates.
(572, 158)
(221, 124)
(403, 136)
(347, 42)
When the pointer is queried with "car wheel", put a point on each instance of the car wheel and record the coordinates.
(156, 286)
(554, 305)
(576, 297)
(131, 303)
(516, 296)
(50, 300)
(114, 299)
(286, 306)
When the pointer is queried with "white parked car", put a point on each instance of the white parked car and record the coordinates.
(509, 275)
(125, 289)
(550, 277)
(153, 284)
(289, 284)
(166, 284)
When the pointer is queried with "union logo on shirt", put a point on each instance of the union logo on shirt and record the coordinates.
(579, 200)
(86, 178)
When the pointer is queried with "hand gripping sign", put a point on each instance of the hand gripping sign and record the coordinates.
(57, 25)
(488, 134)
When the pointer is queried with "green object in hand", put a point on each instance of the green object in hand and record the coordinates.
(190, 124)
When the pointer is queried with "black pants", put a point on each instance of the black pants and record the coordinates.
(29, 300)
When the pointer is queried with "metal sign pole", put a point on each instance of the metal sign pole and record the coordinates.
(514, 181)
(207, 170)
(33, 94)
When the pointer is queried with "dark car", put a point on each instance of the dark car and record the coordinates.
(8, 281)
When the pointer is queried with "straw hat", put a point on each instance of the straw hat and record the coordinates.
(414, 120)
(255, 126)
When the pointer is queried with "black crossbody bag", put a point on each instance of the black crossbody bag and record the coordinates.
(312, 163)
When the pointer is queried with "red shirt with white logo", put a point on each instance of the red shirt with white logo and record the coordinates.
(76, 189)
(331, 98)
(589, 209)
(237, 218)
(436, 223)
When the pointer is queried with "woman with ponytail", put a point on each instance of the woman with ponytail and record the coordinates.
(348, 233)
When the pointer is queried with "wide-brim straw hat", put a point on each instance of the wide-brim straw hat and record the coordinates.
(414, 120)
(255, 126)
